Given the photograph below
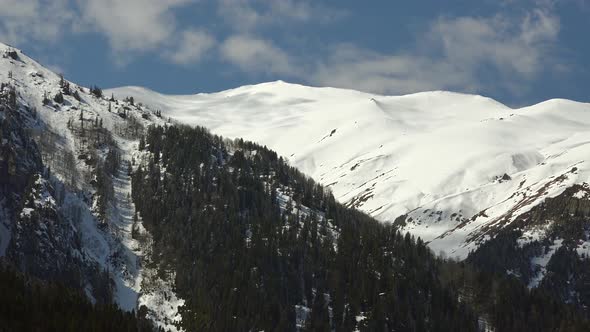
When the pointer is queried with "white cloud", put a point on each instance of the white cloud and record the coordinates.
(129, 26)
(351, 67)
(33, 20)
(451, 55)
(507, 45)
(193, 45)
(248, 15)
(239, 13)
(132, 25)
(254, 55)
(142, 26)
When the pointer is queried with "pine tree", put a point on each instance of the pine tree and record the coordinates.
(12, 97)
(82, 130)
(320, 320)
(59, 98)
(46, 100)
(96, 91)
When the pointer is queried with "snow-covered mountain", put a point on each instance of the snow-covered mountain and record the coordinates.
(461, 171)
(450, 167)
(74, 224)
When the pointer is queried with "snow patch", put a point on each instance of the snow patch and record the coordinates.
(581, 194)
(162, 302)
(534, 234)
(541, 262)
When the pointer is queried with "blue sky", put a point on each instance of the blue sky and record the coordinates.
(516, 51)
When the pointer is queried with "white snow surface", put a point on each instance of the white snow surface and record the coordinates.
(437, 156)
(129, 253)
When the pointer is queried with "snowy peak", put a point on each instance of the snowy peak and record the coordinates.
(438, 158)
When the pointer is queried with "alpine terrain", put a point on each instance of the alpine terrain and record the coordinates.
(130, 210)
(454, 167)
(455, 170)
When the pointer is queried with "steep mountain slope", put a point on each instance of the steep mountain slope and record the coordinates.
(65, 210)
(548, 247)
(255, 245)
(451, 168)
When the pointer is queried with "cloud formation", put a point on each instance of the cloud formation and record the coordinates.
(36, 20)
(454, 53)
(254, 55)
(131, 25)
(248, 15)
(451, 55)
(191, 47)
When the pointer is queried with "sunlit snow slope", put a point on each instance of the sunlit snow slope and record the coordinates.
(450, 167)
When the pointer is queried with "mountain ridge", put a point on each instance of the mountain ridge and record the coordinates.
(434, 143)
(138, 89)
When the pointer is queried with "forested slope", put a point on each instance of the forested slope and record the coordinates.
(255, 245)
(29, 304)
(547, 248)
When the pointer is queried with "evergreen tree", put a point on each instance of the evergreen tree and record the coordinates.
(59, 98)
(96, 91)
(46, 100)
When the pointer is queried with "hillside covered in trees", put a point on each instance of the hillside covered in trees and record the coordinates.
(546, 248)
(255, 245)
(29, 304)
